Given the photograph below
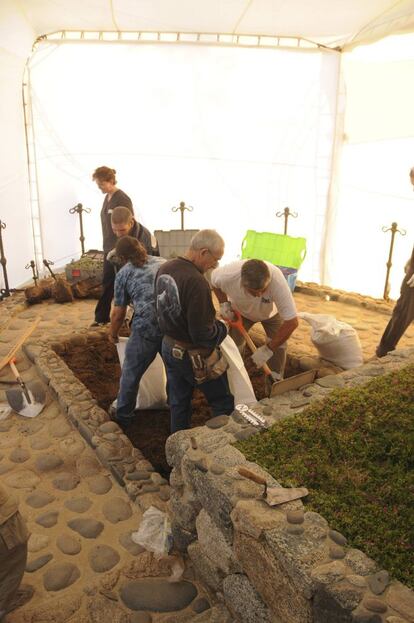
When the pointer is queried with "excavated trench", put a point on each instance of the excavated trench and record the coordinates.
(97, 366)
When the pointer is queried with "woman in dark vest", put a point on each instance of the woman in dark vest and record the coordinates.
(106, 182)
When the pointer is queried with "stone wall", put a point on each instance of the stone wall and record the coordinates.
(282, 564)
(127, 464)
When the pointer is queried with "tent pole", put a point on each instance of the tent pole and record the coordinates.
(32, 170)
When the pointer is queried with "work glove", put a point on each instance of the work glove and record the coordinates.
(276, 377)
(410, 282)
(226, 311)
(261, 355)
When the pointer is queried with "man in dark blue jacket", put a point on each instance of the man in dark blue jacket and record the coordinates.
(192, 333)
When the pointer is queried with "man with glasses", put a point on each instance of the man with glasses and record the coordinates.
(259, 292)
(192, 333)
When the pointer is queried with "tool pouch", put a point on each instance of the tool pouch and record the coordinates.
(207, 367)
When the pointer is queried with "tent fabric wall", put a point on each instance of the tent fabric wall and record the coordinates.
(186, 123)
(16, 37)
(373, 174)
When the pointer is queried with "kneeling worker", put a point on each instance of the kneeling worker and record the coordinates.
(134, 283)
(13, 554)
(123, 223)
(192, 333)
(260, 293)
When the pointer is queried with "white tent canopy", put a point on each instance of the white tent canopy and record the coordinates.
(331, 22)
(250, 121)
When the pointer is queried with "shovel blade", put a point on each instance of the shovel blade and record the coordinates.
(19, 403)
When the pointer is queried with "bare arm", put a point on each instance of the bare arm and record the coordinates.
(117, 318)
(285, 331)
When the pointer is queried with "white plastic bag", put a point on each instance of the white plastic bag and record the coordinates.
(336, 341)
(152, 392)
(239, 381)
(154, 532)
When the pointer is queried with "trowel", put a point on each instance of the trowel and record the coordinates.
(274, 495)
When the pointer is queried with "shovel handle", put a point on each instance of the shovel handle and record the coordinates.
(239, 326)
(12, 352)
(243, 471)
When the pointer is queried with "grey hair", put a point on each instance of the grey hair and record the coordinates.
(207, 239)
(254, 274)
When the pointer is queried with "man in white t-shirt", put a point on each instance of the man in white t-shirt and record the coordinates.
(259, 292)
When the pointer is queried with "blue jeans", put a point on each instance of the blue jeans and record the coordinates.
(140, 352)
(181, 385)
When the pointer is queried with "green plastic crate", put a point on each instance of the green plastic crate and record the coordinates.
(275, 248)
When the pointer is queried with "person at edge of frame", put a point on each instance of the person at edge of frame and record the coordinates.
(403, 312)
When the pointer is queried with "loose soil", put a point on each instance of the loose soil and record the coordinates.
(99, 370)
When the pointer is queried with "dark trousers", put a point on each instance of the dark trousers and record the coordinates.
(103, 307)
(402, 316)
(181, 385)
(140, 352)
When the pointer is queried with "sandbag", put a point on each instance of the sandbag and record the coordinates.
(152, 392)
(239, 380)
(336, 341)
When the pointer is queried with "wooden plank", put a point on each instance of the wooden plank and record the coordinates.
(5, 360)
(293, 382)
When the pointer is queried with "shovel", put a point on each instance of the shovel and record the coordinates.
(237, 323)
(25, 401)
(274, 495)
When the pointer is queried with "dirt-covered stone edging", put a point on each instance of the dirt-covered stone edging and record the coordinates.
(342, 296)
(143, 485)
(280, 564)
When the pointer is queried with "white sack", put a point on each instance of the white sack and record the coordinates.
(239, 381)
(152, 388)
(336, 341)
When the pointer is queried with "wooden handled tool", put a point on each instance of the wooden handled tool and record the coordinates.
(238, 324)
(12, 352)
(274, 495)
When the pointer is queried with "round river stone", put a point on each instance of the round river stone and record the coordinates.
(116, 509)
(19, 455)
(66, 481)
(127, 542)
(39, 499)
(78, 505)
(88, 466)
(24, 479)
(200, 605)
(47, 462)
(99, 484)
(60, 576)
(40, 443)
(47, 520)
(68, 544)
(103, 558)
(37, 542)
(157, 595)
(86, 527)
(38, 563)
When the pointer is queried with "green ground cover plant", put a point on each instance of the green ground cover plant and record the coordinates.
(355, 454)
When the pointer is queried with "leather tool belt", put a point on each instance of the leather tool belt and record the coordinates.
(207, 364)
